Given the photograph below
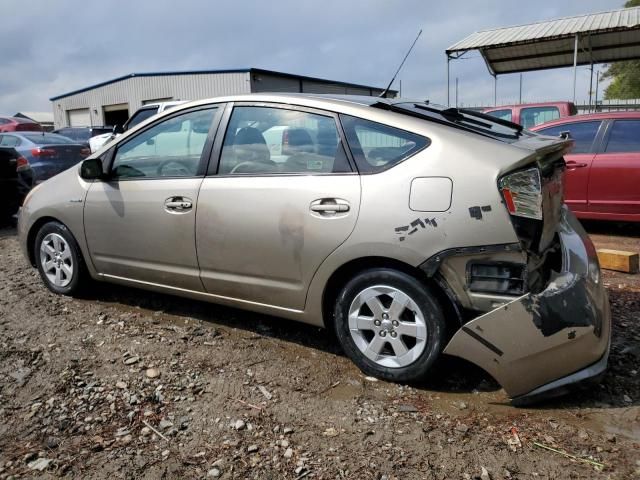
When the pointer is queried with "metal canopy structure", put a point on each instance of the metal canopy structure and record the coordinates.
(582, 40)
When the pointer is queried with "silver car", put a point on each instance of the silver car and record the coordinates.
(410, 229)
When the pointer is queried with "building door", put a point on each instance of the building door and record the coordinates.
(115, 114)
(79, 117)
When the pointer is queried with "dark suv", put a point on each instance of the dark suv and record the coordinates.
(82, 134)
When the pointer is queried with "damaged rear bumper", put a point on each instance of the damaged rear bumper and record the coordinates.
(539, 344)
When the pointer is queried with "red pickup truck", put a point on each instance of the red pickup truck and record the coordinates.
(531, 114)
(603, 169)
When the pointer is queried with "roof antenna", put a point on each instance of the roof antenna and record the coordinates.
(386, 90)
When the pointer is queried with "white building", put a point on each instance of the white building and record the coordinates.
(111, 102)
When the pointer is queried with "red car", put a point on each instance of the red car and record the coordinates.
(15, 124)
(531, 114)
(603, 169)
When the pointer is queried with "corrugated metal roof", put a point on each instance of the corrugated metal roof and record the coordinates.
(604, 37)
(40, 117)
(208, 72)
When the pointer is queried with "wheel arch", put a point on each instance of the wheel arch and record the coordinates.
(33, 233)
(339, 278)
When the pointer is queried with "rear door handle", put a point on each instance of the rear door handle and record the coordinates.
(178, 204)
(329, 206)
(572, 164)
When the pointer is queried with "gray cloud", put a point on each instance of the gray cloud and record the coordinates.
(48, 48)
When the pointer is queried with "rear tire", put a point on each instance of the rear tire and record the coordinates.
(390, 325)
(59, 259)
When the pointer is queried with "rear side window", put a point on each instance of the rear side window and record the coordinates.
(582, 134)
(377, 147)
(624, 137)
(532, 116)
(502, 114)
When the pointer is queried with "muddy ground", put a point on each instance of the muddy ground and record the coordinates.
(131, 384)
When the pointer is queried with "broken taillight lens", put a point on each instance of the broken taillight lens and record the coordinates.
(522, 193)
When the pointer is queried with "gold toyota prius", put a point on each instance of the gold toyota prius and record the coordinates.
(409, 228)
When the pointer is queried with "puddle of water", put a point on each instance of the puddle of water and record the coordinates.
(618, 421)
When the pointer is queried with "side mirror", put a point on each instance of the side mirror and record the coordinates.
(118, 129)
(150, 141)
(566, 134)
(91, 169)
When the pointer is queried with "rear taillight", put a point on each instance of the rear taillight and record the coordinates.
(285, 138)
(43, 152)
(522, 193)
(22, 164)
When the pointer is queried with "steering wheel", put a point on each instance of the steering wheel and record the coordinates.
(234, 169)
(179, 169)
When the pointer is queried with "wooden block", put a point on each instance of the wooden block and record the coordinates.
(618, 260)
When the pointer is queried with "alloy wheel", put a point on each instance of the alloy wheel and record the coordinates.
(56, 259)
(387, 326)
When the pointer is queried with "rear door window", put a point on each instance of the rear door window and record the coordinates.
(505, 114)
(532, 116)
(624, 137)
(582, 134)
(270, 140)
(377, 147)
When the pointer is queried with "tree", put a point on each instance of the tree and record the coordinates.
(625, 75)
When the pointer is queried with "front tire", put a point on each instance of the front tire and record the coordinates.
(390, 325)
(59, 259)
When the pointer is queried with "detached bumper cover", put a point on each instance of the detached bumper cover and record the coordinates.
(540, 343)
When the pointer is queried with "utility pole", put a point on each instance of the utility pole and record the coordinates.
(575, 66)
(456, 92)
(595, 102)
(520, 101)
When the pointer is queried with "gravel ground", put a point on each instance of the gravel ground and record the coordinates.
(131, 384)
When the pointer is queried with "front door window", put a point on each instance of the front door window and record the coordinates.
(172, 148)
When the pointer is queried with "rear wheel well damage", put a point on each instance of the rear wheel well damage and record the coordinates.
(346, 272)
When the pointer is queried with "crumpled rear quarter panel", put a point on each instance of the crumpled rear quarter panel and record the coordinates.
(539, 338)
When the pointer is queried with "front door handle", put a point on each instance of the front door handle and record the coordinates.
(178, 204)
(573, 164)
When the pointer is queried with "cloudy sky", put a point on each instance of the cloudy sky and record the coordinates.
(51, 47)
